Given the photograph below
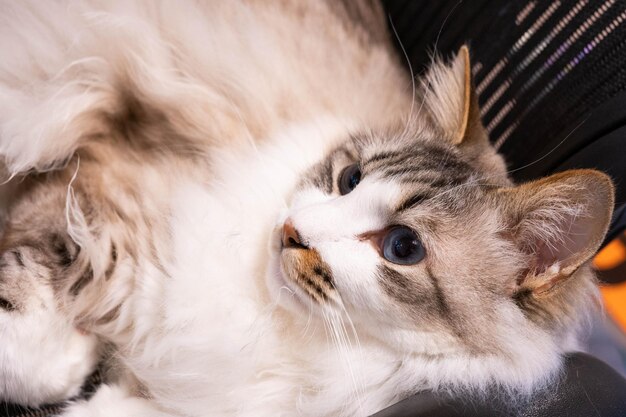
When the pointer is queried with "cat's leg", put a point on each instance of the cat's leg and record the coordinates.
(43, 357)
(64, 278)
(113, 400)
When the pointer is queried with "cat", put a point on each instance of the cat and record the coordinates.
(248, 209)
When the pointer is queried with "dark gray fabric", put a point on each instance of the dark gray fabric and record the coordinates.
(588, 388)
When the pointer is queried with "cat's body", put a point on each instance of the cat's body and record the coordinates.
(226, 75)
(199, 132)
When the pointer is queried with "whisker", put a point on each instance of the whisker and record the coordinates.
(344, 347)
(276, 303)
(408, 61)
(309, 319)
(341, 348)
(483, 180)
(551, 150)
(351, 323)
(358, 382)
(433, 57)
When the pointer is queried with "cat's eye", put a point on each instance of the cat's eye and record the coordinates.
(402, 246)
(349, 179)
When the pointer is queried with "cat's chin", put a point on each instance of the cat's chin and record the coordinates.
(286, 294)
(282, 292)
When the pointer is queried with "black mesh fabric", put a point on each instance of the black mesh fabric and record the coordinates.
(551, 75)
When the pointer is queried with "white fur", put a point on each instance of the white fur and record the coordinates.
(112, 401)
(209, 334)
(222, 346)
(64, 62)
(58, 356)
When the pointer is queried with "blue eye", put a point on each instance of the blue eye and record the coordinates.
(349, 179)
(401, 246)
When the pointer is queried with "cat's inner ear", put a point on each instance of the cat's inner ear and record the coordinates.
(451, 99)
(560, 221)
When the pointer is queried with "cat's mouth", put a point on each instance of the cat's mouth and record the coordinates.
(305, 268)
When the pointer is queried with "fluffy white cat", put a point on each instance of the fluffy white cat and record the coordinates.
(244, 207)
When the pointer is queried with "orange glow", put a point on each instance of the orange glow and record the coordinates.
(611, 256)
(615, 302)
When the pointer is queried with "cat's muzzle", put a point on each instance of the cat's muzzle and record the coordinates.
(303, 266)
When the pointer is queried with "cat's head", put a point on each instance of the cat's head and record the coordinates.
(418, 235)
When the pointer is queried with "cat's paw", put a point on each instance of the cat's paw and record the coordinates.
(112, 400)
(44, 358)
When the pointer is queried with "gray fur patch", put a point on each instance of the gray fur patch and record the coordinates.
(85, 278)
(418, 299)
(6, 305)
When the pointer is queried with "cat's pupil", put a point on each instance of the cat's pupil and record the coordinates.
(404, 246)
(401, 246)
(349, 179)
(354, 179)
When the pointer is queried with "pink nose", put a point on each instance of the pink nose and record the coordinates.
(291, 237)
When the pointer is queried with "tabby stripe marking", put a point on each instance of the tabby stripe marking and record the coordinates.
(109, 316)
(431, 158)
(411, 202)
(446, 182)
(62, 251)
(435, 179)
(380, 157)
(6, 305)
(400, 287)
(531, 308)
(315, 286)
(317, 270)
(410, 160)
(442, 303)
(112, 265)
(19, 258)
(81, 282)
(311, 287)
(408, 292)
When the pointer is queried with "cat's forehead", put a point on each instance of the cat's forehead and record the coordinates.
(411, 160)
(422, 165)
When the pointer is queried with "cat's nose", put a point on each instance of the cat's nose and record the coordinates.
(291, 237)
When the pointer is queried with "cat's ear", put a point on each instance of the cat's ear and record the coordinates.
(560, 222)
(451, 99)
(451, 102)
